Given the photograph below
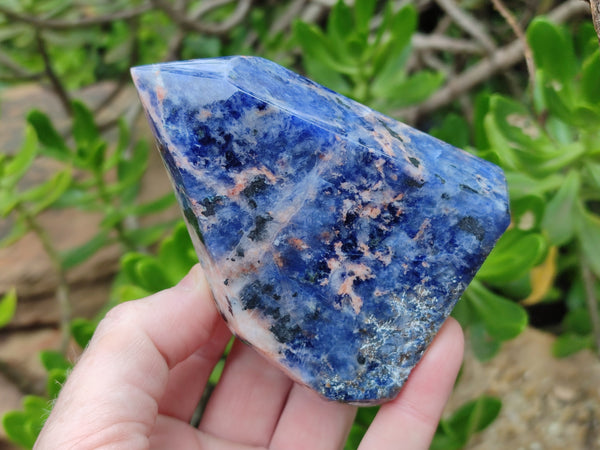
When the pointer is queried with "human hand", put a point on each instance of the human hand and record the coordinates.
(140, 379)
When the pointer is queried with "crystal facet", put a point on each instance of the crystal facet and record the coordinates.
(336, 240)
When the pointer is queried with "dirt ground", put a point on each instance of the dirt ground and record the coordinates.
(547, 403)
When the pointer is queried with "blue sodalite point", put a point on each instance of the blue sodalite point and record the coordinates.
(335, 239)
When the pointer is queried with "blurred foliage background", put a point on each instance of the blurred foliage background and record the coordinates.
(516, 82)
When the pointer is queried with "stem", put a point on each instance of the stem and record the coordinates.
(592, 301)
(527, 52)
(59, 88)
(83, 22)
(62, 290)
(119, 227)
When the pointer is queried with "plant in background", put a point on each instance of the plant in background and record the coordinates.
(368, 66)
(551, 155)
(82, 180)
(92, 177)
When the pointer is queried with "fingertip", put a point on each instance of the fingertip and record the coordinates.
(414, 414)
(195, 280)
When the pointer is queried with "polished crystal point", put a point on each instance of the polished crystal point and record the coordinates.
(336, 240)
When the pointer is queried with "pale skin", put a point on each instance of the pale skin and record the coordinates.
(140, 379)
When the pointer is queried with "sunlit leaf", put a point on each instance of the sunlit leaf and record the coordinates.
(503, 318)
(8, 307)
(83, 252)
(515, 254)
(52, 142)
(569, 343)
(20, 163)
(561, 211)
(552, 50)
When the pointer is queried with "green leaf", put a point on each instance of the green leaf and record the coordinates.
(82, 331)
(569, 343)
(514, 122)
(176, 253)
(77, 255)
(122, 143)
(515, 254)
(473, 417)
(415, 89)
(131, 170)
(552, 50)
(129, 263)
(130, 292)
(48, 192)
(482, 107)
(355, 436)
(561, 211)
(578, 321)
(443, 441)
(18, 165)
(484, 346)
(53, 144)
(8, 306)
(317, 46)
(154, 206)
(55, 382)
(129, 173)
(37, 408)
(521, 184)
(78, 196)
(23, 427)
(390, 58)
(363, 12)
(327, 77)
(153, 276)
(454, 130)
(464, 313)
(8, 202)
(216, 373)
(339, 26)
(503, 318)
(85, 131)
(52, 359)
(17, 231)
(527, 212)
(560, 105)
(592, 170)
(146, 236)
(366, 415)
(16, 426)
(589, 239)
(590, 84)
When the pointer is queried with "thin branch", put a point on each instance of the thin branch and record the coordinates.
(60, 90)
(62, 290)
(592, 301)
(207, 6)
(501, 59)
(510, 19)
(83, 22)
(285, 19)
(217, 29)
(468, 23)
(445, 44)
